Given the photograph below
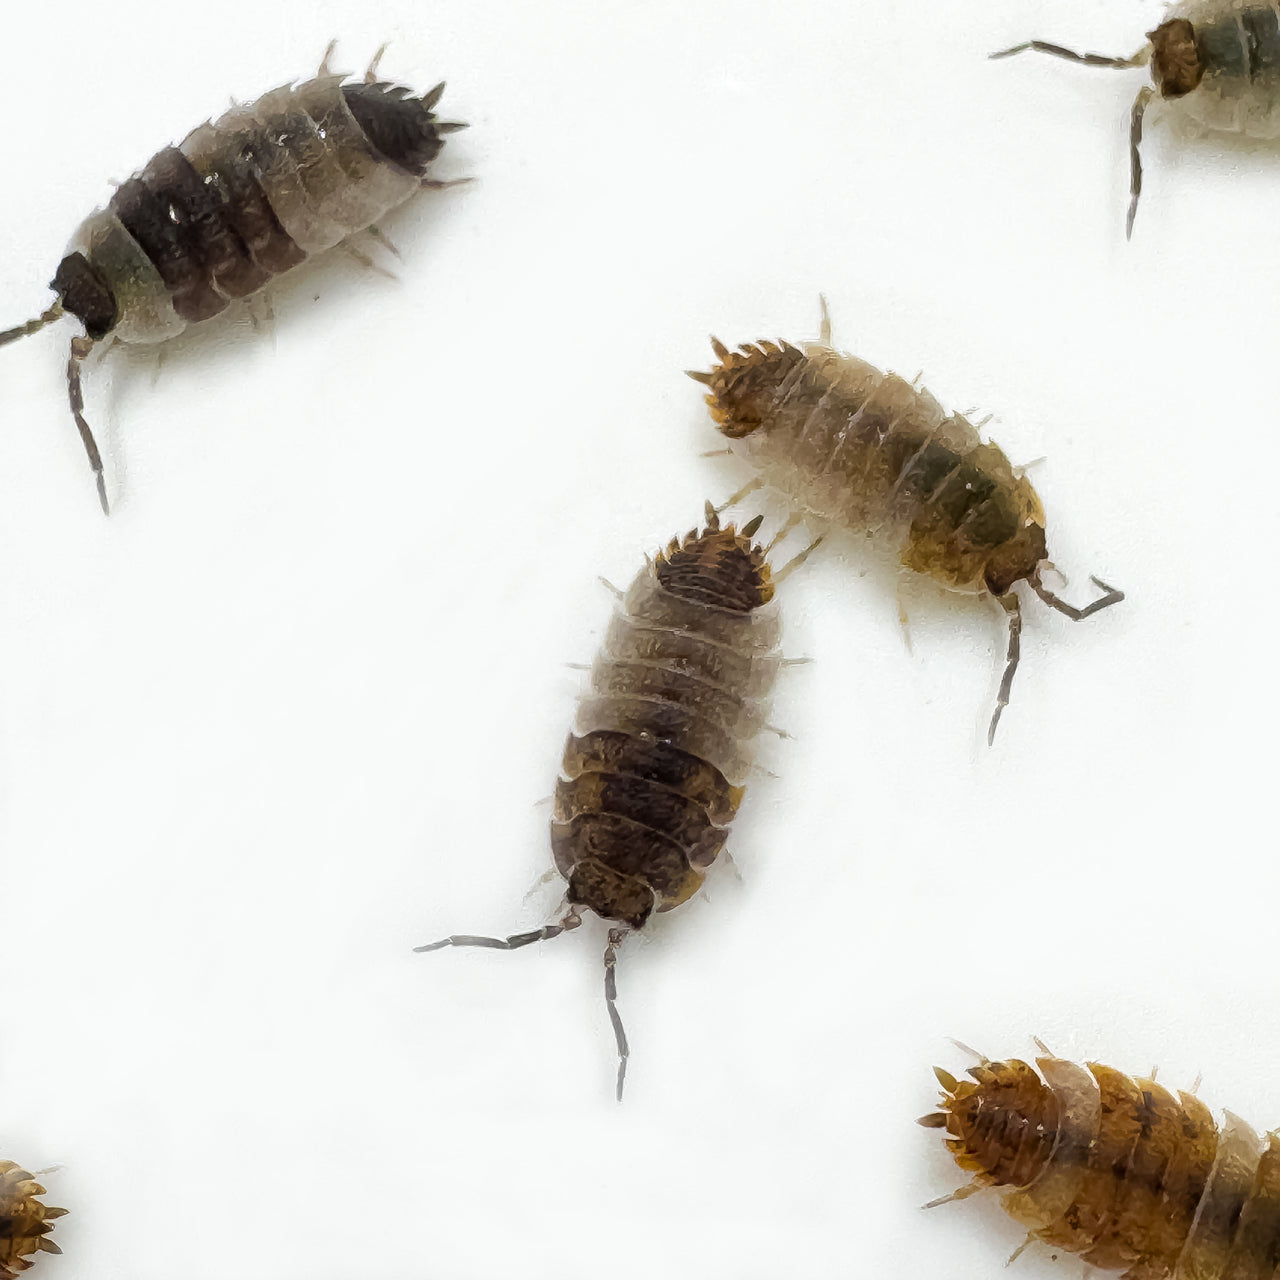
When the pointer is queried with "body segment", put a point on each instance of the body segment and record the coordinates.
(1116, 1169)
(652, 774)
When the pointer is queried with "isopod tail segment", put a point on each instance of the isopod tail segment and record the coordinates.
(1177, 67)
(569, 921)
(1010, 603)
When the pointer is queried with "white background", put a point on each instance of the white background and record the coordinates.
(291, 710)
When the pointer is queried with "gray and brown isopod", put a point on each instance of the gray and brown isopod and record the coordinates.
(866, 451)
(239, 201)
(652, 774)
(1215, 62)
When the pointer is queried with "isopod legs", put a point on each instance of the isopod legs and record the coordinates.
(611, 1003)
(1012, 606)
(80, 349)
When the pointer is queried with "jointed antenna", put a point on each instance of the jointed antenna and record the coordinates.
(1112, 596)
(32, 326)
(513, 942)
(1088, 59)
(610, 999)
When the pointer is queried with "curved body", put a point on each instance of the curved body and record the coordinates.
(679, 690)
(869, 452)
(243, 199)
(1237, 45)
(1118, 1170)
(25, 1223)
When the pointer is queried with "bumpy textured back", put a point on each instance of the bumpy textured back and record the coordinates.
(676, 697)
(867, 451)
(1118, 1170)
(244, 198)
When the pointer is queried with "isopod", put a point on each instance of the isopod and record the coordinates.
(1217, 62)
(25, 1223)
(1116, 1169)
(652, 773)
(239, 201)
(866, 451)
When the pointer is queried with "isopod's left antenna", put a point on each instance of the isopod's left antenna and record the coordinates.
(80, 348)
(1013, 607)
(55, 312)
(611, 1003)
(1145, 94)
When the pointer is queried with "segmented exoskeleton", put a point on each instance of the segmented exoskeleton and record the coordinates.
(1116, 1169)
(866, 451)
(1216, 62)
(236, 203)
(652, 775)
(24, 1222)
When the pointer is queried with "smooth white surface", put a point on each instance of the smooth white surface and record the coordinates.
(289, 712)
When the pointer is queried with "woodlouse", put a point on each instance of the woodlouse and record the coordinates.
(1217, 62)
(239, 201)
(652, 774)
(866, 451)
(25, 1223)
(1116, 1169)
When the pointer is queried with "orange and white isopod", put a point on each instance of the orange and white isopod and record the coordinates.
(1119, 1170)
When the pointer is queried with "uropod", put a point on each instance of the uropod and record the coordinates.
(239, 201)
(25, 1223)
(652, 774)
(866, 451)
(1215, 62)
(1120, 1171)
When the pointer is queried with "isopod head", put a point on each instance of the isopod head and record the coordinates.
(84, 293)
(1176, 65)
(25, 1223)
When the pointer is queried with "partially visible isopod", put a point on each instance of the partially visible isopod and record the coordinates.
(236, 203)
(866, 451)
(1215, 62)
(1116, 1169)
(652, 775)
(24, 1222)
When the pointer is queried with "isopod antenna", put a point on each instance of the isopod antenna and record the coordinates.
(1009, 602)
(80, 348)
(570, 920)
(1140, 103)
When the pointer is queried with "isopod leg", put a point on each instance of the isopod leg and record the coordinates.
(80, 348)
(611, 1003)
(324, 68)
(1135, 155)
(824, 329)
(371, 71)
(1010, 603)
(747, 489)
(794, 563)
(1112, 596)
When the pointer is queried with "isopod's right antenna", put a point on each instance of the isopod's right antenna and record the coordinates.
(570, 920)
(611, 1003)
(1112, 596)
